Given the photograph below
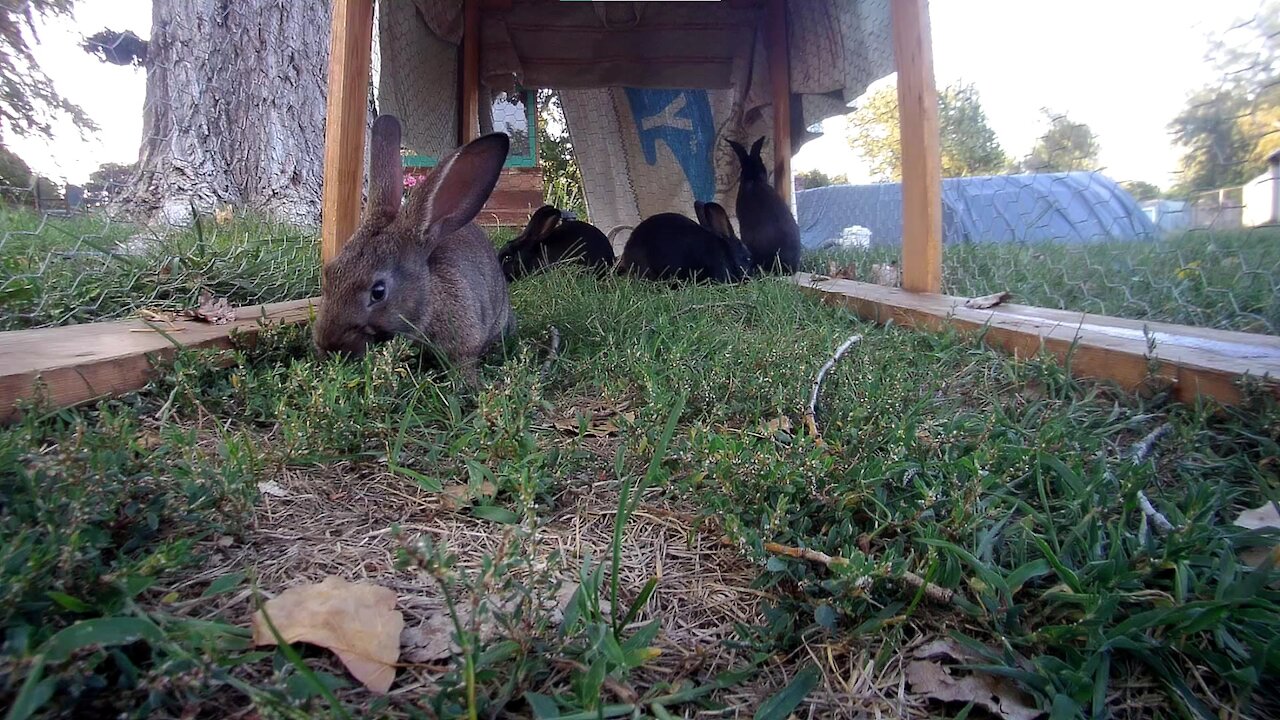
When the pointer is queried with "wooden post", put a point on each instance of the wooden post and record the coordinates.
(350, 50)
(469, 108)
(921, 150)
(778, 52)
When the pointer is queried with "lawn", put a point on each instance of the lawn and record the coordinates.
(640, 524)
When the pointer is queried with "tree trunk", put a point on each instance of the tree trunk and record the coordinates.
(235, 109)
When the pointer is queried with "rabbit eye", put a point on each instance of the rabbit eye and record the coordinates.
(379, 292)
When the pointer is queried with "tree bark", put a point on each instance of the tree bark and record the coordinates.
(234, 111)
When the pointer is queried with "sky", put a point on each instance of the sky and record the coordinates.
(1124, 67)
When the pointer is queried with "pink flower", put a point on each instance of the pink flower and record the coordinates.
(411, 180)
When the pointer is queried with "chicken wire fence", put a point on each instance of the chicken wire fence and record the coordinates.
(71, 265)
(1206, 254)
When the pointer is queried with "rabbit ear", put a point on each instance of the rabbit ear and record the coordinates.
(700, 209)
(740, 151)
(543, 221)
(386, 171)
(457, 189)
(755, 148)
(718, 220)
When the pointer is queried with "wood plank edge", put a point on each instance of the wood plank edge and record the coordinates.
(1132, 372)
(72, 385)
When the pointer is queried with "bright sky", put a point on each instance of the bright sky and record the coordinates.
(1124, 67)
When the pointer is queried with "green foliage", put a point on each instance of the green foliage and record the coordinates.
(810, 179)
(1141, 190)
(969, 145)
(108, 183)
(1066, 146)
(561, 176)
(1228, 129)
(28, 101)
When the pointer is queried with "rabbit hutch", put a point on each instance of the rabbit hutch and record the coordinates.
(650, 92)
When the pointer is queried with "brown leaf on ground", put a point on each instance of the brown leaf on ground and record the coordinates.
(213, 310)
(599, 424)
(988, 301)
(836, 271)
(886, 274)
(931, 673)
(357, 621)
(460, 495)
(432, 641)
(1263, 516)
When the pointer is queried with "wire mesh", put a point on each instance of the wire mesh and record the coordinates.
(1056, 228)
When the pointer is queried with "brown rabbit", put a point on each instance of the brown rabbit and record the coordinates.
(426, 271)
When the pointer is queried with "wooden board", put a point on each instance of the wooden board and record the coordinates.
(346, 117)
(779, 55)
(469, 107)
(1197, 361)
(921, 148)
(80, 363)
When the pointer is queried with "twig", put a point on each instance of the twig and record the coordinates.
(811, 417)
(1141, 450)
(553, 353)
(934, 593)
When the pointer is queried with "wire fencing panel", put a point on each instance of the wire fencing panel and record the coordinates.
(223, 150)
(1057, 229)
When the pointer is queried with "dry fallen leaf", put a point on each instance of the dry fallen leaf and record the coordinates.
(600, 424)
(357, 621)
(223, 215)
(213, 310)
(841, 272)
(431, 641)
(930, 674)
(1263, 516)
(886, 274)
(460, 495)
(988, 301)
(272, 488)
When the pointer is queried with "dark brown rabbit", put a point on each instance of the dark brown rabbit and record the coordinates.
(769, 230)
(670, 246)
(424, 271)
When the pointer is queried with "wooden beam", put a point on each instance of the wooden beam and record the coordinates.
(778, 52)
(76, 364)
(1195, 361)
(921, 149)
(469, 108)
(346, 118)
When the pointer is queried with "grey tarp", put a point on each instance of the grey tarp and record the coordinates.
(1064, 207)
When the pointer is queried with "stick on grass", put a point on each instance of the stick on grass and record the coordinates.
(811, 416)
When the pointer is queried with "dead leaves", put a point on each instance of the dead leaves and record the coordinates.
(886, 274)
(1263, 517)
(357, 621)
(217, 311)
(932, 673)
(598, 423)
(988, 301)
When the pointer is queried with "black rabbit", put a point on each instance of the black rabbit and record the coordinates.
(769, 230)
(670, 246)
(546, 241)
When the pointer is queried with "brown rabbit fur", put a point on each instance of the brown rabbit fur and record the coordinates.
(424, 271)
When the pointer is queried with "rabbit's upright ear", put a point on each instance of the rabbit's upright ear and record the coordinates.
(544, 220)
(386, 171)
(740, 151)
(457, 189)
(717, 220)
(755, 148)
(700, 209)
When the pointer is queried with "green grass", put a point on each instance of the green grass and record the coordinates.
(1228, 280)
(1003, 480)
(58, 271)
